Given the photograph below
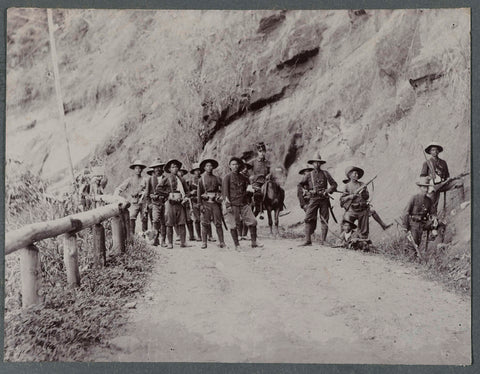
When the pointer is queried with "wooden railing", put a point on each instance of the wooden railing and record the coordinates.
(24, 239)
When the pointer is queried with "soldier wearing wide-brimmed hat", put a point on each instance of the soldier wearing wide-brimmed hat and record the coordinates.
(209, 195)
(319, 184)
(350, 238)
(234, 190)
(357, 206)
(302, 194)
(174, 189)
(156, 203)
(437, 169)
(133, 189)
(196, 170)
(98, 183)
(419, 214)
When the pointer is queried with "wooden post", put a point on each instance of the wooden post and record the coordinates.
(118, 235)
(70, 258)
(30, 275)
(128, 232)
(99, 245)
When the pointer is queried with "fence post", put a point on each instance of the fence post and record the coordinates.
(30, 275)
(99, 245)
(70, 258)
(128, 232)
(118, 235)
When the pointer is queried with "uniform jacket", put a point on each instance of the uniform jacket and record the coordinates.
(360, 200)
(420, 207)
(234, 189)
(168, 183)
(208, 183)
(133, 188)
(440, 168)
(318, 180)
(261, 167)
(150, 188)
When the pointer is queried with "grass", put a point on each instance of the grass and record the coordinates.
(69, 321)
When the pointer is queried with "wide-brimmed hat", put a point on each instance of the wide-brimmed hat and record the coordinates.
(304, 170)
(169, 163)
(137, 163)
(183, 171)
(317, 158)
(424, 181)
(195, 166)
(352, 225)
(433, 144)
(208, 160)
(246, 165)
(239, 160)
(354, 168)
(261, 146)
(157, 163)
(150, 171)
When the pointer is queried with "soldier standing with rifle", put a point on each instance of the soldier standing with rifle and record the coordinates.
(134, 188)
(157, 203)
(260, 171)
(188, 206)
(196, 171)
(316, 183)
(419, 214)
(437, 169)
(174, 188)
(210, 198)
(234, 190)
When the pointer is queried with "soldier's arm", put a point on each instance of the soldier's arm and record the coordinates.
(225, 187)
(301, 198)
(365, 194)
(447, 173)
(425, 172)
(304, 182)
(200, 190)
(406, 214)
(162, 189)
(331, 181)
(122, 187)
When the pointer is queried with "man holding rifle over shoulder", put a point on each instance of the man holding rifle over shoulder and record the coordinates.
(437, 169)
(316, 183)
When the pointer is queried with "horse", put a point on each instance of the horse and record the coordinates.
(273, 200)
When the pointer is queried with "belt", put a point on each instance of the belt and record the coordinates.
(418, 218)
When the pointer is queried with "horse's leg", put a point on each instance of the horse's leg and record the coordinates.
(277, 214)
(269, 215)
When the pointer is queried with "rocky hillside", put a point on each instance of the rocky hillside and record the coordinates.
(363, 87)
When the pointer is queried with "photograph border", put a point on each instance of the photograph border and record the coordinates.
(62, 367)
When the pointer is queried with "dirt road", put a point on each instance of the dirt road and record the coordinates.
(290, 304)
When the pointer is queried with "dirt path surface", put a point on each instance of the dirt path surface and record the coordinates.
(290, 304)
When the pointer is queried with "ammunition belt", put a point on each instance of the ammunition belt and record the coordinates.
(418, 218)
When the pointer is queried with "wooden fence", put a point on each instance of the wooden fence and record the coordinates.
(24, 240)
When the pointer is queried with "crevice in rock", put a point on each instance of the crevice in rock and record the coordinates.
(293, 149)
(268, 100)
(426, 79)
(299, 58)
(268, 24)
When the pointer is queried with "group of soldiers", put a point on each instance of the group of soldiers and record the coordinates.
(420, 214)
(175, 202)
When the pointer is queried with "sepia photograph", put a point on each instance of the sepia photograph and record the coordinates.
(238, 186)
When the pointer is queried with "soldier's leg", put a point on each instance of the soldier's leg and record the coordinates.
(205, 217)
(217, 219)
(324, 215)
(163, 228)
(134, 211)
(197, 221)
(169, 222)
(416, 228)
(181, 223)
(363, 227)
(249, 218)
(156, 212)
(231, 221)
(310, 220)
(144, 217)
(377, 218)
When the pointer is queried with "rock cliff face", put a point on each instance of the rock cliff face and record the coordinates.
(367, 88)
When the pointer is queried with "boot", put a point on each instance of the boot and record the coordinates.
(145, 224)
(183, 236)
(253, 234)
(204, 239)
(191, 234)
(132, 226)
(220, 237)
(234, 234)
(156, 229)
(308, 234)
(169, 230)
(163, 233)
(199, 231)
(209, 233)
(324, 232)
(244, 232)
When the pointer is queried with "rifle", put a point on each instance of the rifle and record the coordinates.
(437, 186)
(409, 237)
(358, 191)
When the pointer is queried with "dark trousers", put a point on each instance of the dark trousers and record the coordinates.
(174, 214)
(362, 218)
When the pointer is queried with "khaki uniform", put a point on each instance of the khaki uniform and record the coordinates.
(175, 213)
(359, 209)
(416, 216)
(441, 173)
(210, 210)
(133, 189)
